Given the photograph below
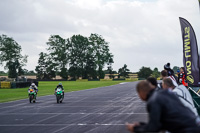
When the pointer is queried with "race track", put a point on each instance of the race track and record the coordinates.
(99, 110)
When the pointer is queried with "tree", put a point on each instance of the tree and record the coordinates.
(110, 72)
(40, 69)
(27, 72)
(144, 72)
(2, 72)
(78, 52)
(31, 72)
(64, 73)
(156, 73)
(101, 52)
(10, 54)
(58, 51)
(124, 71)
(110, 69)
(90, 68)
(46, 68)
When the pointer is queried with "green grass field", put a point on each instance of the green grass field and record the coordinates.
(47, 88)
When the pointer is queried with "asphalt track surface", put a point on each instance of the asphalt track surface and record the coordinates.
(99, 110)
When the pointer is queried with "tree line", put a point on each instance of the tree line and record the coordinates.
(74, 57)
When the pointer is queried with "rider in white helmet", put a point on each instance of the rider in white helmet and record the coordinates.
(33, 86)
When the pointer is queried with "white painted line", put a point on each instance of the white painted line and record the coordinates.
(109, 101)
(59, 130)
(81, 124)
(123, 83)
(46, 118)
(82, 106)
(13, 105)
(82, 113)
(88, 96)
(57, 125)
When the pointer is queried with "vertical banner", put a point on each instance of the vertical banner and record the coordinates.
(199, 3)
(190, 53)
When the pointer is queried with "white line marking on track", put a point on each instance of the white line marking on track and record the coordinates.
(14, 105)
(46, 118)
(68, 113)
(60, 129)
(80, 106)
(56, 125)
(123, 83)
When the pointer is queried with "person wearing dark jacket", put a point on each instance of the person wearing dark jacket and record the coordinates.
(166, 112)
(153, 83)
(170, 72)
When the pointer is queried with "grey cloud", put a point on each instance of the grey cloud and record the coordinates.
(140, 33)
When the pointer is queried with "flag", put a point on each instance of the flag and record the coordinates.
(199, 3)
(190, 53)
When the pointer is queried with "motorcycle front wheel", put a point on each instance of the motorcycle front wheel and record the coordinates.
(30, 98)
(58, 98)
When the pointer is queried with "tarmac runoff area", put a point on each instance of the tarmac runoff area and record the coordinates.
(99, 110)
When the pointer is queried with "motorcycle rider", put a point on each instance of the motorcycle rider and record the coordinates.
(61, 86)
(33, 86)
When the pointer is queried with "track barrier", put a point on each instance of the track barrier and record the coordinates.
(8, 85)
(5, 85)
(196, 99)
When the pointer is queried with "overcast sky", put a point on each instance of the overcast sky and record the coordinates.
(139, 32)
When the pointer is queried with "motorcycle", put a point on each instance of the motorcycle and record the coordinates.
(32, 95)
(59, 95)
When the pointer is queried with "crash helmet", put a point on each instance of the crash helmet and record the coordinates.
(60, 84)
(33, 84)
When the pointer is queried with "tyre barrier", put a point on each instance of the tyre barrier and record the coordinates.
(7, 85)
(118, 79)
